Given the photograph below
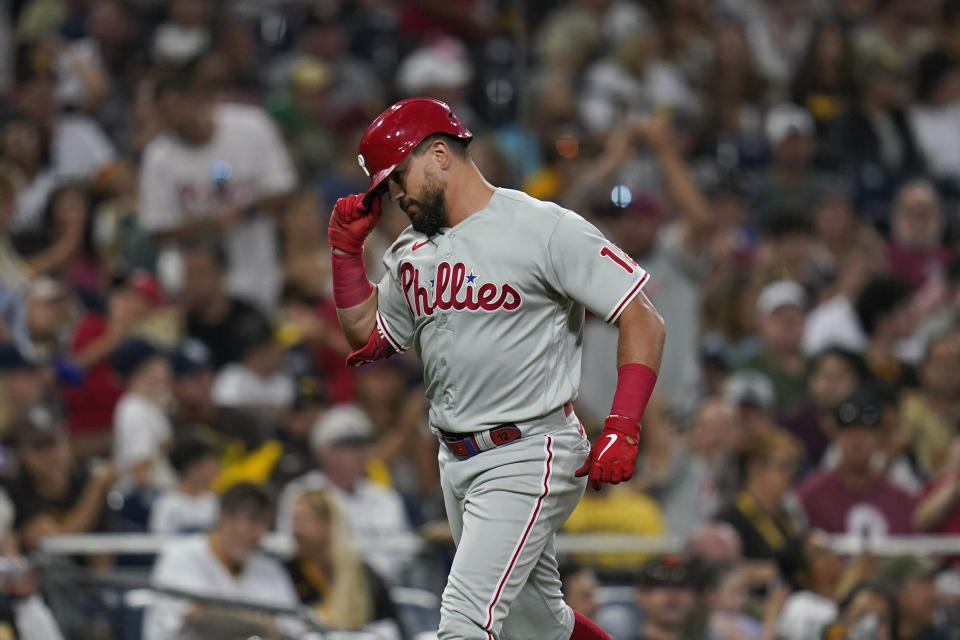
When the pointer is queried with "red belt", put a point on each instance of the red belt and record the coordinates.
(467, 445)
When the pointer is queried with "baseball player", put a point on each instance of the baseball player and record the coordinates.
(489, 286)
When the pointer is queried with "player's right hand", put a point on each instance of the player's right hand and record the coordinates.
(351, 222)
(613, 456)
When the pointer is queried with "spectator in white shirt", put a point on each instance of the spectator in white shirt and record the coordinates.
(141, 428)
(190, 505)
(224, 564)
(341, 440)
(220, 170)
(258, 382)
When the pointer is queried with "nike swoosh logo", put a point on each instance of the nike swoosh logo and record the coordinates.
(417, 245)
(613, 438)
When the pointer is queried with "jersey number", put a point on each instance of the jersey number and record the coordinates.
(619, 257)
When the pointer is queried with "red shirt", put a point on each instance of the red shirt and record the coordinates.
(90, 406)
(915, 265)
(835, 507)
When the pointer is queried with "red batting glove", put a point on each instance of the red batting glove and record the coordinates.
(351, 222)
(614, 454)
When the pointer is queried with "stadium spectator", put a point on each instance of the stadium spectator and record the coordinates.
(929, 414)
(911, 580)
(869, 610)
(856, 497)
(225, 564)
(579, 586)
(916, 249)
(213, 317)
(791, 184)
(886, 317)
(937, 510)
(90, 406)
(834, 375)
(190, 505)
(814, 571)
(21, 385)
(726, 595)
(257, 383)
(330, 577)
(52, 495)
(41, 332)
(666, 595)
(184, 196)
(823, 83)
(934, 116)
(297, 458)
(768, 459)
(141, 428)
(781, 306)
(340, 440)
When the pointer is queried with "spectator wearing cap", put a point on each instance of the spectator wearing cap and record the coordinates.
(781, 306)
(194, 408)
(916, 249)
(579, 585)
(224, 563)
(184, 195)
(141, 429)
(331, 578)
(214, 317)
(911, 580)
(769, 458)
(21, 384)
(930, 413)
(814, 572)
(752, 393)
(257, 382)
(886, 315)
(834, 374)
(666, 594)
(306, 118)
(50, 494)
(131, 299)
(341, 441)
(190, 505)
(855, 497)
(791, 183)
(294, 433)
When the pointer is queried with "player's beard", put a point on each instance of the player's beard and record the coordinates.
(431, 210)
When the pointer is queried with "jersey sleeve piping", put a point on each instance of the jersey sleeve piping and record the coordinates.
(382, 326)
(626, 299)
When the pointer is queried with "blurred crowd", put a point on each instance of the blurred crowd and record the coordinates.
(788, 171)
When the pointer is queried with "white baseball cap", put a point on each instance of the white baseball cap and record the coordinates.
(787, 119)
(780, 293)
(345, 423)
(749, 386)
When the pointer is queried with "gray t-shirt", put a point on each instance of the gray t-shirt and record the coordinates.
(495, 306)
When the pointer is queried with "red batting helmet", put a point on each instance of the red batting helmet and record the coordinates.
(398, 130)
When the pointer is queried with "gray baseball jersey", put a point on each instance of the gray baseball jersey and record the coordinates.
(495, 306)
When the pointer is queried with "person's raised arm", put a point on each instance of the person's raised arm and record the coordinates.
(353, 294)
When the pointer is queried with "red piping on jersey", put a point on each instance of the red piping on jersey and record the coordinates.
(523, 540)
(627, 298)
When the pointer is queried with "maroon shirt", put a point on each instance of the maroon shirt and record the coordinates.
(835, 507)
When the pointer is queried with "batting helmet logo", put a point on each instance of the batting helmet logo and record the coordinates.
(398, 130)
(363, 164)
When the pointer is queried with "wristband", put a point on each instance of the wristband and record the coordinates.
(350, 283)
(635, 384)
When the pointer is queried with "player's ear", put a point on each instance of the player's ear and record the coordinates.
(441, 153)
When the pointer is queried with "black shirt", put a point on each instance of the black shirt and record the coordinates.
(28, 504)
(763, 536)
(224, 338)
(312, 590)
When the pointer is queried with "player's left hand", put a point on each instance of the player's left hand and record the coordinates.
(613, 456)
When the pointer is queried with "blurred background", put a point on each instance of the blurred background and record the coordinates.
(185, 454)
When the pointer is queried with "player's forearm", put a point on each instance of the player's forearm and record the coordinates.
(358, 321)
(642, 334)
